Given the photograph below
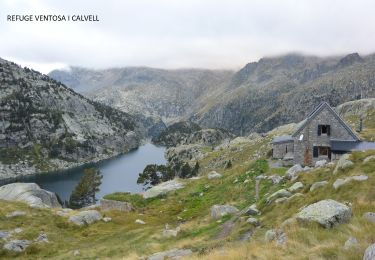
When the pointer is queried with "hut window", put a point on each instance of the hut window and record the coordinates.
(324, 130)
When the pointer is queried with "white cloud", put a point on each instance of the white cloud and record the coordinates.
(186, 33)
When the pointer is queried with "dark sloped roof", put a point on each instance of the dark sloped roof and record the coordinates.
(337, 145)
(316, 112)
(282, 139)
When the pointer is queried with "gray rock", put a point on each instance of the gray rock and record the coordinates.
(339, 182)
(275, 235)
(325, 212)
(17, 245)
(253, 221)
(351, 242)
(139, 221)
(214, 175)
(280, 200)
(18, 230)
(276, 179)
(296, 186)
(167, 232)
(107, 219)
(29, 193)
(15, 214)
(369, 216)
(369, 253)
(369, 158)
(283, 193)
(252, 210)
(5, 234)
(173, 254)
(293, 171)
(318, 184)
(321, 163)
(270, 235)
(289, 222)
(42, 238)
(85, 217)
(343, 163)
(218, 211)
(115, 205)
(163, 188)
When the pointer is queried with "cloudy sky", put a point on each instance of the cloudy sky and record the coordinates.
(184, 33)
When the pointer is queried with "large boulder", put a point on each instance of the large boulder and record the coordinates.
(29, 193)
(293, 171)
(343, 163)
(17, 245)
(325, 212)
(163, 188)
(369, 253)
(86, 217)
(218, 211)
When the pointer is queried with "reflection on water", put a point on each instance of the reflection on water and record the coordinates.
(119, 173)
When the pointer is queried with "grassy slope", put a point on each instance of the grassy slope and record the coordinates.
(122, 238)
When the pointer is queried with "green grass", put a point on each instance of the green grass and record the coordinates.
(136, 200)
(189, 208)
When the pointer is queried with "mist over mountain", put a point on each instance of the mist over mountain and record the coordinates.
(258, 97)
(170, 94)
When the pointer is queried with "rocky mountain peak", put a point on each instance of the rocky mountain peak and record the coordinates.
(350, 59)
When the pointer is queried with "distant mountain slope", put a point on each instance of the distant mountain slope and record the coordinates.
(45, 125)
(275, 91)
(259, 97)
(170, 94)
(354, 111)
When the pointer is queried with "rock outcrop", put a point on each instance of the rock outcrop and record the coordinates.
(86, 217)
(29, 193)
(59, 128)
(327, 213)
(218, 211)
(163, 188)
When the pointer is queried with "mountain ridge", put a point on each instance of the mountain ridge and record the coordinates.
(46, 125)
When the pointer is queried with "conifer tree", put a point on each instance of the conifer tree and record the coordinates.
(85, 191)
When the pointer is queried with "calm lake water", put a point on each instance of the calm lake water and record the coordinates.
(119, 173)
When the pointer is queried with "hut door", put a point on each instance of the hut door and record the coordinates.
(307, 157)
(329, 153)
